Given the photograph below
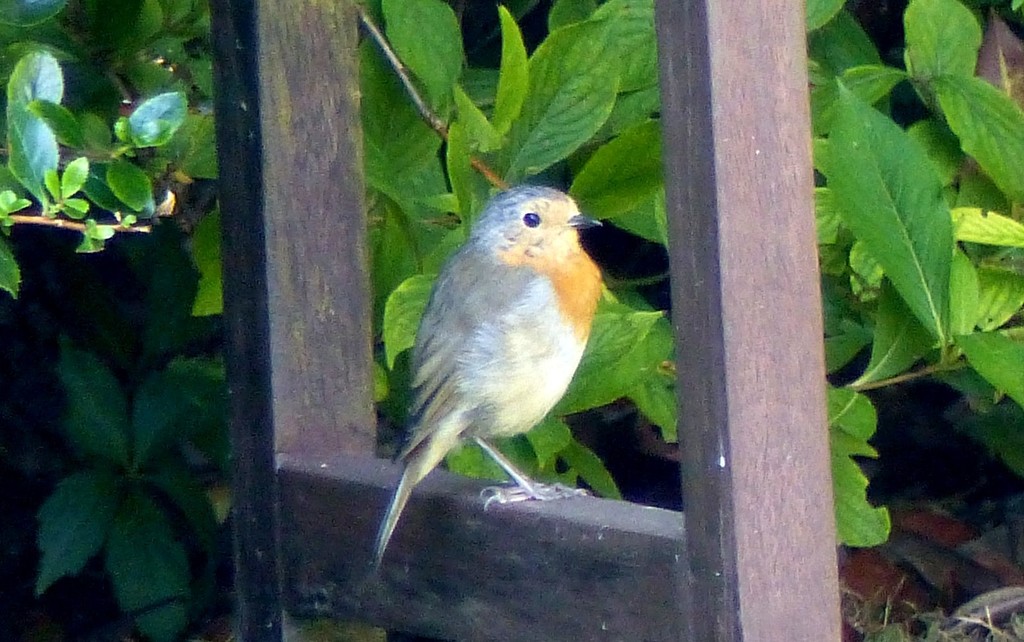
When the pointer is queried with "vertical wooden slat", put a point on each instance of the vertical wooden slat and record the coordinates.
(746, 304)
(296, 286)
(318, 274)
(246, 321)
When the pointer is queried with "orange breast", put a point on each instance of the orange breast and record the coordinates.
(577, 282)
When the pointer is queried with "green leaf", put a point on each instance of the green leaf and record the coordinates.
(870, 83)
(942, 38)
(155, 121)
(131, 185)
(481, 134)
(852, 421)
(591, 469)
(77, 209)
(826, 216)
(648, 221)
(402, 313)
(899, 339)
(572, 91)
(148, 569)
(622, 174)
(74, 177)
(840, 44)
(547, 439)
(206, 254)
(631, 41)
(63, 123)
(625, 346)
(655, 397)
(820, 12)
(25, 13)
(192, 150)
(172, 404)
(52, 181)
(567, 12)
(459, 163)
(95, 133)
(31, 144)
(73, 524)
(1001, 430)
(96, 418)
(998, 359)
(513, 75)
(10, 273)
(11, 202)
(963, 295)
(941, 145)
(890, 197)
(990, 127)
(1000, 296)
(975, 225)
(426, 36)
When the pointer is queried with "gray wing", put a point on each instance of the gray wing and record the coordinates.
(472, 291)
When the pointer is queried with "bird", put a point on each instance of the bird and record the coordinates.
(500, 339)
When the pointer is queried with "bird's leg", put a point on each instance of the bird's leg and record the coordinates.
(525, 487)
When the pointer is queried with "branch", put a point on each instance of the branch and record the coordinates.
(65, 224)
(905, 377)
(426, 113)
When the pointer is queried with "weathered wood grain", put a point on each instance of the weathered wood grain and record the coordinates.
(575, 569)
(746, 306)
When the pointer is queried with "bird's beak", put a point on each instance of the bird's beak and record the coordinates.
(581, 222)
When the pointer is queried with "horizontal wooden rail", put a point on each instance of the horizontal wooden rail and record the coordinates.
(578, 569)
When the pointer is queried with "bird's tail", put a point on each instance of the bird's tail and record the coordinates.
(387, 525)
(419, 460)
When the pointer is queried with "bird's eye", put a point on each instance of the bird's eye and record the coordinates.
(531, 219)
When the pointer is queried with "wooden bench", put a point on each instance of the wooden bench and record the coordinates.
(754, 558)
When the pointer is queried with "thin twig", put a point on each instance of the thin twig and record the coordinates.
(65, 224)
(905, 377)
(426, 113)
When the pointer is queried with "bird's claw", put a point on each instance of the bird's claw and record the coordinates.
(539, 492)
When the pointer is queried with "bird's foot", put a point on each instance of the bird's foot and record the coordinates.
(536, 491)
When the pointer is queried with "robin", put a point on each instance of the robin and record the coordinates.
(500, 339)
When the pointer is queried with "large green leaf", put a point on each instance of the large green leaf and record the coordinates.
(172, 404)
(998, 359)
(625, 346)
(513, 75)
(990, 127)
(402, 313)
(622, 174)
(819, 12)
(975, 225)
(1000, 296)
(24, 13)
(899, 339)
(97, 412)
(591, 469)
(870, 83)
(155, 121)
(206, 253)
(10, 273)
(631, 41)
(426, 36)
(132, 186)
(890, 197)
(963, 295)
(852, 421)
(73, 524)
(942, 38)
(31, 144)
(148, 569)
(572, 90)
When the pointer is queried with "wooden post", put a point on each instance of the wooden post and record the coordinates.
(746, 305)
(296, 290)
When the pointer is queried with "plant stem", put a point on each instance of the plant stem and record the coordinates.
(906, 376)
(426, 113)
(65, 224)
